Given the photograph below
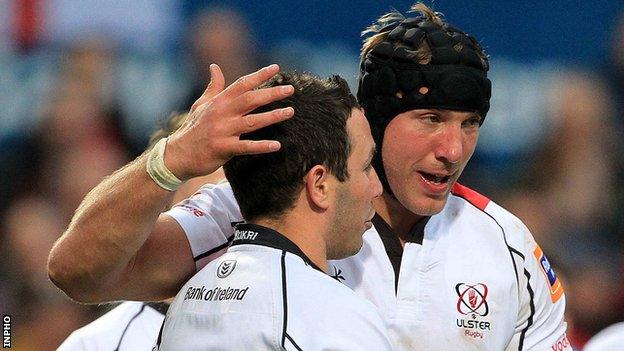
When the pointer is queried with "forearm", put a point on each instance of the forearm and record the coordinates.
(107, 230)
(115, 246)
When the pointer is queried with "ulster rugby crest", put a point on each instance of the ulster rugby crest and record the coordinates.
(225, 268)
(472, 299)
(473, 306)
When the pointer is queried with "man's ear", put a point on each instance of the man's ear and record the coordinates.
(318, 187)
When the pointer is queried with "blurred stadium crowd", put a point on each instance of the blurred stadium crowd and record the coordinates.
(77, 107)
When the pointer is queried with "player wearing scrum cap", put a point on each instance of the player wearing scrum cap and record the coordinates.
(448, 268)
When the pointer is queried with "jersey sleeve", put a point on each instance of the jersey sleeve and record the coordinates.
(73, 343)
(541, 324)
(208, 219)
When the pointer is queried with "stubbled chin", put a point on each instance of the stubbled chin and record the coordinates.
(426, 206)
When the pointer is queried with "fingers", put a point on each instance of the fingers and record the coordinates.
(240, 96)
(257, 121)
(217, 81)
(216, 85)
(251, 147)
(250, 81)
(251, 100)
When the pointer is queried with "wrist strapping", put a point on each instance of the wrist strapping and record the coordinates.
(157, 169)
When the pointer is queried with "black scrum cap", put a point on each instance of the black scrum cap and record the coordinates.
(393, 81)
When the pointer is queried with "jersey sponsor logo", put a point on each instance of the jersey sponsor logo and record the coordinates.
(195, 211)
(472, 305)
(472, 299)
(226, 268)
(245, 234)
(562, 344)
(556, 289)
(215, 294)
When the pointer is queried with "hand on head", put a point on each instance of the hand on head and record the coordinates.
(211, 135)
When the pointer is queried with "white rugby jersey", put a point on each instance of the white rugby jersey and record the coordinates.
(264, 293)
(470, 278)
(131, 326)
(608, 339)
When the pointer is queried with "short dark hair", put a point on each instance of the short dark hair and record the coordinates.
(267, 185)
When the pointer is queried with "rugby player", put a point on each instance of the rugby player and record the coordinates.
(269, 291)
(447, 267)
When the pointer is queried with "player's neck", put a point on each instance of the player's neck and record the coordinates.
(304, 232)
(400, 219)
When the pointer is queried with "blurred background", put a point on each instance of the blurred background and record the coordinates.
(83, 83)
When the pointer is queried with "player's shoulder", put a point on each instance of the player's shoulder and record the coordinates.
(114, 319)
(222, 188)
(328, 291)
(474, 198)
(248, 261)
(481, 203)
(242, 268)
(483, 209)
(611, 338)
(210, 196)
(105, 329)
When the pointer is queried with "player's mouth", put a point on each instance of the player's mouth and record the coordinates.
(435, 183)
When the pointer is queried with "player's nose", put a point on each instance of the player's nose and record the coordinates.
(376, 187)
(449, 148)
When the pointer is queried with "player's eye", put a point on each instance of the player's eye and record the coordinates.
(431, 118)
(473, 122)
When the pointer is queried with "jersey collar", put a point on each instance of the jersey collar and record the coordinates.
(415, 235)
(160, 307)
(254, 234)
(392, 244)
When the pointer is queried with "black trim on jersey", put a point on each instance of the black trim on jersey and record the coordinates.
(516, 251)
(285, 304)
(243, 234)
(214, 250)
(159, 339)
(128, 325)
(392, 244)
(513, 251)
(293, 342)
(284, 297)
(532, 304)
(160, 307)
